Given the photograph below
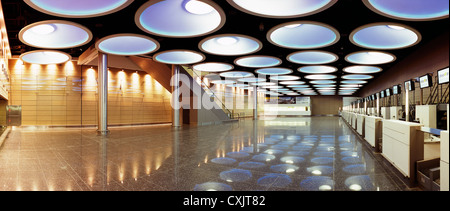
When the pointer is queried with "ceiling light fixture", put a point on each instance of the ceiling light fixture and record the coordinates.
(198, 7)
(227, 41)
(43, 29)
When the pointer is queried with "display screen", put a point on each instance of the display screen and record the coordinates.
(388, 92)
(425, 81)
(373, 97)
(382, 94)
(396, 89)
(443, 76)
(410, 85)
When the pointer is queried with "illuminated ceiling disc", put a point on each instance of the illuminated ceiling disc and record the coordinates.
(45, 57)
(180, 18)
(252, 80)
(312, 57)
(230, 45)
(353, 82)
(55, 34)
(127, 45)
(410, 10)
(223, 82)
(385, 36)
(282, 8)
(357, 77)
(236, 74)
(303, 35)
(284, 78)
(292, 82)
(258, 61)
(318, 69)
(370, 57)
(78, 8)
(298, 86)
(323, 82)
(179, 57)
(361, 69)
(264, 84)
(274, 71)
(320, 77)
(213, 67)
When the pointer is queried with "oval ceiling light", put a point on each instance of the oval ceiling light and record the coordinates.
(226, 82)
(230, 45)
(213, 67)
(45, 57)
(298, 86)
(78, 8)
(323, 82)
(317, 69)
(284, 78)
(312, 57)
(180, 18)
(264, 84)
(324, 85)
(282, 8)
(320, 77)
(385, 36)
(127, 45)
(55, 34)
(357, 77)
(353, 82)
(360, 69)
(258, 61)
(236, 74)
(303, 35)
(179, 57)
(292, 82)
(252, 80)
(417, 10)
(370, 57)
(274, 71)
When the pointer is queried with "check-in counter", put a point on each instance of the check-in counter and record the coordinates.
(386, 112)
(394, 110)
(360, 120)
(373, 131)
(353, 120)
(444, 177)
(403, 145)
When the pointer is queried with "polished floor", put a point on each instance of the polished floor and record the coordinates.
(283, 154)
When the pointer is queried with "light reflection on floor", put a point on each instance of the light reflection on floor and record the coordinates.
(314, 154)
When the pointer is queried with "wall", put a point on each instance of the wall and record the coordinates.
(326, 105)
(66, 95)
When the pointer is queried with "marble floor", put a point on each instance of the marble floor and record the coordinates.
(283, 154)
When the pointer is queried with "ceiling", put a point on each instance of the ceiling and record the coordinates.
(345, 16)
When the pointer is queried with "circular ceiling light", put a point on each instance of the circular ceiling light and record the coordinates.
(223, 82)
(45, 57)
(317, 69)
(357, 77)
(320, 77)
(282, 8)
(236, 74)
(213, 67)
(362, 69)
(179, 57)
(324, 85)
(353, 82)
(180, 18)
(284, 78)
(417, 10)
(323, 82)
(274, 71)
(370, 57)
(55, 34)
(292, 82)
(238, 85)
(305, 35)
(385, 36)
(127, 45)
(264, 84)
(298, 86)
(230, 45)
(258, 61)
(78, 8)
(252, 80)
(312, 57)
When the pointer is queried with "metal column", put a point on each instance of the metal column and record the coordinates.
(176, 95)
(102, 94)
(255, 103)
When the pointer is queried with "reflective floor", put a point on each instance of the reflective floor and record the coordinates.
(284, 154)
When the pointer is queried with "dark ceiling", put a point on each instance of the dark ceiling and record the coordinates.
(345, 16)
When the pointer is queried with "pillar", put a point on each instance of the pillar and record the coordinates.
(176, 95)
(102, 94)
(255, 102)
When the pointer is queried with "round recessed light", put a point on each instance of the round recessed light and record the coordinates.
(236, 74)
(317, 69)
(127, 44)
(292, 82)
(252, 80)
(312, 57)
(298, 86)
(230, 45)
(385, 36)
(284, 78)
(306, 36)
(274, 71)
(179, 57)
(370, 57)
(417, 10)
(357, 77)
(282, 8)
(223, 82)
(162, 18)
(45, 57)
(258, 61)
(320, 77)
(78, 8)
(55, 34)
(353, 82)
(213, 67)
(324, 85)
(360, 69)
(264, 84)
(323, 82)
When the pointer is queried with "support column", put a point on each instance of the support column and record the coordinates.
(176, 95)
(102, 94)
(255, 103)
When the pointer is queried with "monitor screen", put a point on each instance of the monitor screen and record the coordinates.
(373, 97)
(410, 85)
(388, 92)
(382, 94)
(425, 81)
(443, 76)
(396, 90)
